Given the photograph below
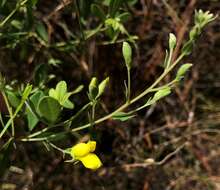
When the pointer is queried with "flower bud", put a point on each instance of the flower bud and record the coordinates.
(172, 41)
(127, 54)
(102, 86)
(182, 70)
(93, 88)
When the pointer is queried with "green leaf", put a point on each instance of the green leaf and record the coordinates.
(114, 7)
(77, 90)
(34, 2)
(53, 93)
(122, 116)
(42, 32)
(124, 16)
(31, 117)
(2, 2)
(68, 104)
(54, 62)
(182, 70)
(49, 108)
(89, 33)
(61, 90)
(132, 2)
(17, 24)
(187, 47)
(84, 7)
(13, 99)
(96, 10)
(61, 94)
(127, 54)
(65, 102)
(161, 93)
(115, 24)
(40, 74)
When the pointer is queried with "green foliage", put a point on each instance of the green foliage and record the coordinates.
(40, 74)
(97, 10)
(49, 108)
(32, 115)
(13, 99)
(95, 89)
(182, 70)
(21, 28)
(62, 95)
(42, 32)
(201, 19)
(114, 6)
(161, 94)
(122, 116)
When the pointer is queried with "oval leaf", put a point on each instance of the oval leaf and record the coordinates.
(122, 116)
(49, 108)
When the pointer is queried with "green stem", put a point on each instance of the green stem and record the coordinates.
(93, 114)
(78, 17)
(169, 59)
(55, 147)
(1, 120)
(10, 113)
(78, 113)
(62, 123)
(153, 90)
(129, 85)
(12, 117)
(121, 108)
(47, 138)
(144, 93)
(18, 5)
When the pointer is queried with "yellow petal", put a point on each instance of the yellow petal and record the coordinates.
(80, 150)
(91, 161)
(92, 145)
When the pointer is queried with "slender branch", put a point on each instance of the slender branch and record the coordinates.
(62, 123)
(121, 108)
(144, 93)
(1, 120)
(150, 162)
(56, 147)
(10, 112)
(12, 118)
(129, 85)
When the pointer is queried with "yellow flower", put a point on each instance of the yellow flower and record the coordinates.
(92, 145)
(82, 152)
(91, 161)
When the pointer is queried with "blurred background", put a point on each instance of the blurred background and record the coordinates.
(47, 41)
